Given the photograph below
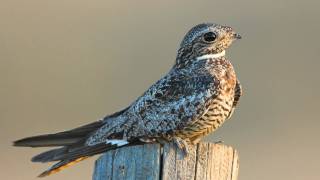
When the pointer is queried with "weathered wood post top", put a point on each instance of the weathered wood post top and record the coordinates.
(206, 161)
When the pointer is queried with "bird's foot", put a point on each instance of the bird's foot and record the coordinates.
(182, 145)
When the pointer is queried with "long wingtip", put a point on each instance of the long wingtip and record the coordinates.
(24, 142)
(18, 142)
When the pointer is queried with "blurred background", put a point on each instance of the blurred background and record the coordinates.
(67, 63)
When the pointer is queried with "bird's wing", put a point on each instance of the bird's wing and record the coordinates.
(174, 102)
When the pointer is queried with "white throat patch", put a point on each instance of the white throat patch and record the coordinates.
(209, 56)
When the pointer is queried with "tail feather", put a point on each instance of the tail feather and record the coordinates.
(71, 153)
(73, 142)
(51, 155)
(69, 158)
(61, 165)
(88, 151)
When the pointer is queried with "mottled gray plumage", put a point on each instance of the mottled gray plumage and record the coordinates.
(193, 99)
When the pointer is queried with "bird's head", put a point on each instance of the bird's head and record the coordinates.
(204, 40)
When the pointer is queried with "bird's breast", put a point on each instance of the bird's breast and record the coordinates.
(220, 106)
(223, 71)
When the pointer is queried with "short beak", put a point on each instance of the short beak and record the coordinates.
(237, 36)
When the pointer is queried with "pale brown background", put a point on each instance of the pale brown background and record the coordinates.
(66, 63)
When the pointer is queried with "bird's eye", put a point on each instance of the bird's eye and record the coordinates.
(209, 36)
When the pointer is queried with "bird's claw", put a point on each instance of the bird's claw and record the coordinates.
(182, 145)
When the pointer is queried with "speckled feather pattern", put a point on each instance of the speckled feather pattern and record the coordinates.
(175, 103)
(192, 100)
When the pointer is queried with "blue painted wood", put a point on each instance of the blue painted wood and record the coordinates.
(103, 164)
(129, 163)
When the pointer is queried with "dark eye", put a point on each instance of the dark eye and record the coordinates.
(209, 36)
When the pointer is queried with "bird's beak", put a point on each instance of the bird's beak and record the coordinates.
(236, 36)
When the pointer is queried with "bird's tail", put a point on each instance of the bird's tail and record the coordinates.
(60, 166)
(73, 147)
(72, 144)
(68, 156)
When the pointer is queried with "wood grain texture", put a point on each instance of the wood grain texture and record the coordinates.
(136, 162)
(206, 161)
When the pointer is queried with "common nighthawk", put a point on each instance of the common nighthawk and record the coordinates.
(193, 99)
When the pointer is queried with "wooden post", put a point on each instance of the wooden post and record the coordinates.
(206, 161)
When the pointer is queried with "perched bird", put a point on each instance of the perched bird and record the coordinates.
(193, 99)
